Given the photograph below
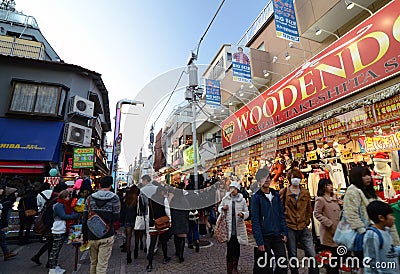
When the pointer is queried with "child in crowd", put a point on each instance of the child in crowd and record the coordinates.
(380, 256)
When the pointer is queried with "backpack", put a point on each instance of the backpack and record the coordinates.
(359, 241)
(96, 224)
(45, 218)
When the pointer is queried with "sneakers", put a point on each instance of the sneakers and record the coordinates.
(9, 255)
(197, 246)
(59, 270)
(36, 260)
(149, 268)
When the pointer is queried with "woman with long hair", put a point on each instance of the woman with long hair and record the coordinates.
(132, 201)
(327, 212)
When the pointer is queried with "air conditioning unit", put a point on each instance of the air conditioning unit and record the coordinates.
(81, 106)
(78, 135)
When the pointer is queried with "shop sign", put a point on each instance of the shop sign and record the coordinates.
(369, 132)
(388, 109)
(346, 154)
(314, 132)
(297, 137)
(241, 70)
(310, 146)
(311, 156)
(360, 118)
(283, 141)
(254, 164)
(354, 135)
(335, 125)
(213, 93)
(271, 144)
(366, 55)
(188, 157)
(67, 169)
(83, 157)
(342, 139)
(381, 143)
(242, 169)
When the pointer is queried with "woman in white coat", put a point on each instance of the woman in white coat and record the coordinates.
(234, 207)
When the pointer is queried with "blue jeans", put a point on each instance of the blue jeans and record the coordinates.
(3, 243)
(304, 236)
(193, 234)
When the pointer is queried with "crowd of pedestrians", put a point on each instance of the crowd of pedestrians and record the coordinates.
(152, 213)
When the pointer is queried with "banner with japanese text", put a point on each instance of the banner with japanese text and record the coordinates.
(213, 92)
(285, 20)
(83, 157)
(241, 64)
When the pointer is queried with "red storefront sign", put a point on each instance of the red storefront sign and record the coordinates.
(360, 118)
(297, 137)
(388, 109)
(335, 125)
(314, 132)
(283, 141)
(366, 55)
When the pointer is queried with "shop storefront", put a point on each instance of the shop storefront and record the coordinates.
(341, 107)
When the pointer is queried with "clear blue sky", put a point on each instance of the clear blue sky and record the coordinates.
(131, 42)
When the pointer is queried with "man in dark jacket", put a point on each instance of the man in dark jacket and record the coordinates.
(269, 226)
(106, 205)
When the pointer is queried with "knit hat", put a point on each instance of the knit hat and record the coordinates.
(382, 157)
(10, 190)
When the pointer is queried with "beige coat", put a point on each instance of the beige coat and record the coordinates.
(355, 199)
(240, 207)
(327, 212)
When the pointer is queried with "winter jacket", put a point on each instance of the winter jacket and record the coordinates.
(267, 218)
(7, 203)
(106, 204)
(60, 217)
(240, 207)
(179, 217)
(41, 201)
(298, 212)
(355, 210)
(327, 212)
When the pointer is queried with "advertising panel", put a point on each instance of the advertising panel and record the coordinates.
(285, 20)
(83, 157)
(241, 64)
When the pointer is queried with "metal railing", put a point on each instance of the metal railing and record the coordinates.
(18, 18)
(263, 17)
(21, 48)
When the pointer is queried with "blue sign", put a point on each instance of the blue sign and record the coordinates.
(213, 92)
(285, 20)
(241, 64)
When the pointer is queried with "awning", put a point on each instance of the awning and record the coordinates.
(30, 140)
(21, 168)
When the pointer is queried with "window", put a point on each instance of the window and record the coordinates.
(39, 99)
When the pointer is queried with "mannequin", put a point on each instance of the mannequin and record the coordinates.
(382, 168)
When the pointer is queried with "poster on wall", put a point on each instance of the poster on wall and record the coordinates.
(388, 109)
(241, 64)
(285, 20)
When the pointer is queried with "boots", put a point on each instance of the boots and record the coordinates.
(9, 255)
(177, 245)
(181, 249)
(229, 267)
(128, 257)
(197, 246)
(235, 266)
(135, 252)
(149, 267)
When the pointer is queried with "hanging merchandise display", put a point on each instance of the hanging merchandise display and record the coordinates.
(382, 168)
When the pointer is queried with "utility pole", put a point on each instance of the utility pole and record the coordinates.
(151, 145)
(192, 95)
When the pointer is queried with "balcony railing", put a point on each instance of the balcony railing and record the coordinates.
(263, 17)
(22, 48)
(18, 18)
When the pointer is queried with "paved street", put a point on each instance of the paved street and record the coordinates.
(210, 259)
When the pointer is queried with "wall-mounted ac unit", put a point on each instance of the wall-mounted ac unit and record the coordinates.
(81, 106)
(78, 135)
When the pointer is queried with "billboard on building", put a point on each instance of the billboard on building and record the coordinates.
(83, 157)
(285, 20)
(241, 64)
(213, 92)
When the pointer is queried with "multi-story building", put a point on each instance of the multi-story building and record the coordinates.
(48, 107)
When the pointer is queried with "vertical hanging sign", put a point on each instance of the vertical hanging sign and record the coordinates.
(285, 20)
(213, 92)
(241, 64)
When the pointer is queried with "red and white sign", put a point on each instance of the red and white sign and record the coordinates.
(366, 55)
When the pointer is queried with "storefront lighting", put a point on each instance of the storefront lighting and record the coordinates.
(351, 4)
(250, 86)
(318, 31)
(268, 73)
(287, 56)
(241, 94)
(274, 59)
(230, 103)
(223, 110)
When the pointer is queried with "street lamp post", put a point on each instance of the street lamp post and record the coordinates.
(117, 138)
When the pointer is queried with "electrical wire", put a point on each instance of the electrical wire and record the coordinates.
(209, 25)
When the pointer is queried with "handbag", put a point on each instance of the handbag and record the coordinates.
(29, 212)
(139, 221)
(96, 224)
(162, 222)
(221, 229)
(344, 234)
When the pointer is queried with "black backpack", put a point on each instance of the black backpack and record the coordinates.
(45, 219)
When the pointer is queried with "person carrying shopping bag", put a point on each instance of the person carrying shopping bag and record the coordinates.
(233, 205)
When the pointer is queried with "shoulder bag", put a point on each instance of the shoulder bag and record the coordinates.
(221, 229)
(139, 221)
